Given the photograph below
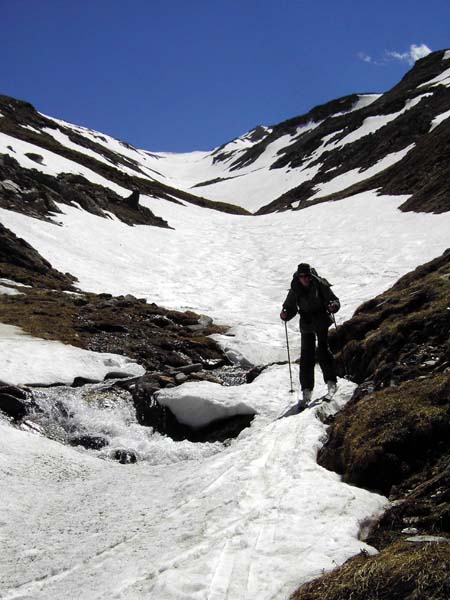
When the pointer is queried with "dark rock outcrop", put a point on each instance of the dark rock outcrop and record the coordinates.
(90, 442)
(15, 402)
(22, 263)
(422, 173)
(401, 334)
(21, 120)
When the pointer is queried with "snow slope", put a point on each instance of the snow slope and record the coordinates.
(249, 521)
(252, 185)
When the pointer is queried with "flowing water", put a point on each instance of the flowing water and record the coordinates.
(103, 417)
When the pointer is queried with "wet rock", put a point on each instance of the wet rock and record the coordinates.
(125, 457)
(80, 381)
(12, 406)
(118, 375)
(13, 390)
(91, 442)
(254, 373)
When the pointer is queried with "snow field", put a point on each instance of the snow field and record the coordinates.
(249, 521)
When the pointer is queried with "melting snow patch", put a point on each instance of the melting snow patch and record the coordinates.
(30, 360)
(427, 539)
(441, 79)
(199, 403)
(8, 291)
(439, 119)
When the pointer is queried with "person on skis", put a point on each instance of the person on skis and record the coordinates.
(311, 297)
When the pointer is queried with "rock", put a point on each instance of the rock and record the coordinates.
(165, 380)
(80, 381)
(238, 359)
(133, 200)
(125, 457)
(190, 368)
(253, 374)
(10, 186)
(12, 390)
(205, 376)
(111, 328)
(118, 375)
(12, 406)
(36, 157)
(203, 323)
(180, 378)
(91, 442)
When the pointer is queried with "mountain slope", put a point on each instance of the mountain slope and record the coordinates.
(255, 516)
(396, 142)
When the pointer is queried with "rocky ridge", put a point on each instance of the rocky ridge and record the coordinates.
(421, 173)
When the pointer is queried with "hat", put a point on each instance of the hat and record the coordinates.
(303, 269)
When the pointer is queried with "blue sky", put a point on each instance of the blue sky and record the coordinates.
(182, 75)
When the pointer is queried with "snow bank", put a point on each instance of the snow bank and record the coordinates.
(30, 360)
(199, 403)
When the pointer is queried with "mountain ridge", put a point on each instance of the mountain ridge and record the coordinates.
(125, 219)
(336, 149)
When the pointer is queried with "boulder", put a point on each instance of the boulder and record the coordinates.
(91, 442)
(12, 406)
(125, 456)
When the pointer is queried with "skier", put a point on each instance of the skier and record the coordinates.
(311, 296)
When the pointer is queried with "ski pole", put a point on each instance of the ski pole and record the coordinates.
(342, 351)
(289, 357)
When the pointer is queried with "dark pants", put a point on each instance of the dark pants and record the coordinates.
(308, 358)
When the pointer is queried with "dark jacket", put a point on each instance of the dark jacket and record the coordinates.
(311, 303)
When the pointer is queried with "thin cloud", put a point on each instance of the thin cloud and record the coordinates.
(415, 52)
(365, 57)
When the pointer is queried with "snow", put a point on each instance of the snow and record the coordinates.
(365, 100)
(253, 519)
(446, 55)
(250, 522)
(52, 164)
(374, 123)
(11, 283)
(30, 360)
(199, 404)
(441, 79)
(346, 180)
(439, 119)
(9, 291)
(251, 186)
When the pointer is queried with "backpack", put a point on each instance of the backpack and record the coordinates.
(322, 280)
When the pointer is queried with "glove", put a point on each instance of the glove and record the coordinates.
(333, 306)
(283, 315)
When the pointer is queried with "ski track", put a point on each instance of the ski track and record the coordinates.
(260, 517)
